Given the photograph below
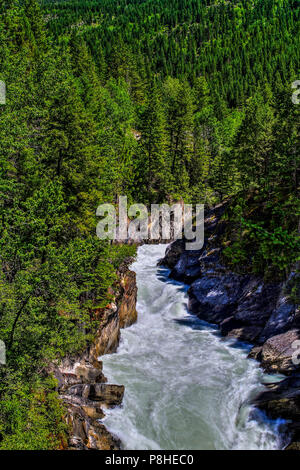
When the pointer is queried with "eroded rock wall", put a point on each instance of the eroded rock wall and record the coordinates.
(81, 383)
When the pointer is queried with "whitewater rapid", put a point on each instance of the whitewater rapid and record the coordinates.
(185, 386)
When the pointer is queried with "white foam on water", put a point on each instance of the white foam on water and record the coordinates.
(185, 386)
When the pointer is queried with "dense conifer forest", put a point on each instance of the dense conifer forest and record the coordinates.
(159, 100)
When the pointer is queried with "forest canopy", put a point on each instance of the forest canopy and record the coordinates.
(161, 101)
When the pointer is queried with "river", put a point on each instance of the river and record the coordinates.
(186, 387)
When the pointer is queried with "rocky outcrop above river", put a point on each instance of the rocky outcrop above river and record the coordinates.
(247, 308)
(80, 380)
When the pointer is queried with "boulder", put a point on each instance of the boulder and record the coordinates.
(255, 353)
(278, 353)
(293, 446)
(108, 394)
(256, 307)
(215, 298)
(229, 324)
(101, 439)
(172, 255)
(90, 374)
(87, 433)
(245, 333)
(93, 412)
(72, 372)
(209, 259)
(187, 268)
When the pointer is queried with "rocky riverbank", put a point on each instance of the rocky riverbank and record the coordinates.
(249, 309)
(81, 383)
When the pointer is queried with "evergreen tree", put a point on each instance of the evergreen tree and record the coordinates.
(152, 166)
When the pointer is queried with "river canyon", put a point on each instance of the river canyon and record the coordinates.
(186, 387)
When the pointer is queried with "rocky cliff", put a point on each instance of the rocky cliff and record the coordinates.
(248, 308)
(81, 383)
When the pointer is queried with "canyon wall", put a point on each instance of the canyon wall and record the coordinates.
(81, 383)
(247, 308)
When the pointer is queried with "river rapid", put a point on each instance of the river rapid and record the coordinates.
(186, 387)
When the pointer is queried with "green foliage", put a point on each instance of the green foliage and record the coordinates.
(160, 101)
(237, 45)
(54, 270)
(31, 420)
(278, 247)
(262, 236)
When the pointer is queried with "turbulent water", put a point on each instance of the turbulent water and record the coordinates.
(185, 386)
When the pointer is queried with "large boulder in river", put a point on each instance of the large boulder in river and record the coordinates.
(173, 253)
(212, 227)
(215, 298)
(278, 352)
(187, 268)
(245, 333)
(106, 394)
(255, 309)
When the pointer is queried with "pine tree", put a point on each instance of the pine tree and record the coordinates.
(179, 105)
(255, 140)
(152, 165)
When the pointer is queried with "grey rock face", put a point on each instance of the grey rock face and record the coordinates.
(278, 352)
(257, 306)
(173, 253)
(187, 268)
(280, 321)
(214, 298)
